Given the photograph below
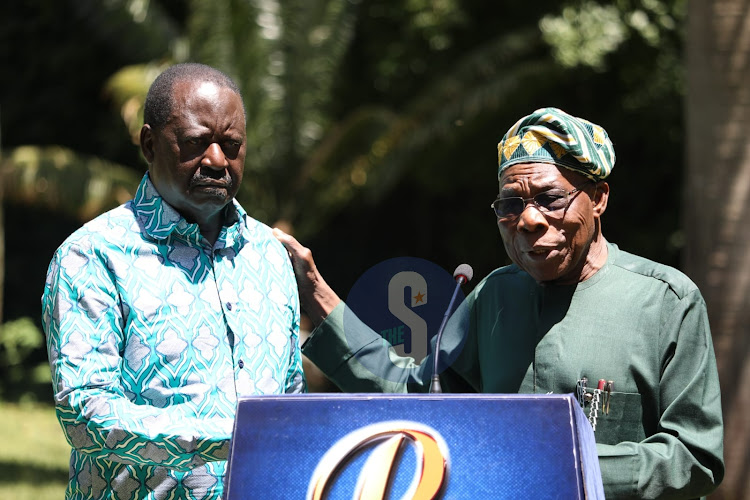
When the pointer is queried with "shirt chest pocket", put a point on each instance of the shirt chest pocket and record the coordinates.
(620, 418)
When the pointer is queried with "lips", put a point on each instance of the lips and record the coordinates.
(540, 250)
(540, 253)
(212, 184)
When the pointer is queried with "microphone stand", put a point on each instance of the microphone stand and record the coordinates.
(435, 384)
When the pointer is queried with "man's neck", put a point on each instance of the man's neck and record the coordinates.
(596, 258)
(211, 227)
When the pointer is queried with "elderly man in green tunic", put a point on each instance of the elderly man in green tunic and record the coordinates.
(573, 314)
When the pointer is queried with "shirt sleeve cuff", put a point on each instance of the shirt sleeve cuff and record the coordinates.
(339, 337)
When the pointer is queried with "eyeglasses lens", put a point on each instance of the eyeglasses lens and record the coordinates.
(508, 207)
(549, 201)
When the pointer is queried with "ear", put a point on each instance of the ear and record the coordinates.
(600, 198)
(147, 143)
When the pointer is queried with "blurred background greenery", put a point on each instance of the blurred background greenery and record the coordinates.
(372, 127)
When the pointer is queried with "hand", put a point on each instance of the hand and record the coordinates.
(316, 297)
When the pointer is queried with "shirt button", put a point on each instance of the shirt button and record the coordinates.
(229, 306)
(241, 364)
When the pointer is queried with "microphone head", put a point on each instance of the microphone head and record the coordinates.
(463, 271)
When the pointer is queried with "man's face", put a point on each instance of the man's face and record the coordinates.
(551, 246)
(197, 159)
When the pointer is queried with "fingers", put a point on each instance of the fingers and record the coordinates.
(316, 297)
(301, 256)
(285, 239)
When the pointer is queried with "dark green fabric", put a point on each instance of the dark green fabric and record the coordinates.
(640, 324)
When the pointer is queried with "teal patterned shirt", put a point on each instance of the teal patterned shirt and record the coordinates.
(153, 335)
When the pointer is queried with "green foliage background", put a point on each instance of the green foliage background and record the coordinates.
(372, 124)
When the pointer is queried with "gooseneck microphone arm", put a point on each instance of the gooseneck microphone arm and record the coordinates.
(462, 274)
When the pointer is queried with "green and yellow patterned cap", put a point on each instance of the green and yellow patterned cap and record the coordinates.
(550, 135)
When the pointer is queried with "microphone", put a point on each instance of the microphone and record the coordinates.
(462, 274)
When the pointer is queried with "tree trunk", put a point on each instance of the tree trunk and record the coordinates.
(2, 233)
(716, 208)
(2, 245)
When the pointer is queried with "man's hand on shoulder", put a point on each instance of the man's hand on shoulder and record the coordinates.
(316, 297)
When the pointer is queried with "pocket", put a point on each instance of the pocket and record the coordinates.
(623, 422)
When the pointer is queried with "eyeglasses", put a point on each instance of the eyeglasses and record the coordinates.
(554, 200)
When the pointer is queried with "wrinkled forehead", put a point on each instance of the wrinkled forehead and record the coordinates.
(538, 176)
(204, 102)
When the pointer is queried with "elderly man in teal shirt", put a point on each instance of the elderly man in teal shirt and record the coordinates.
(160, 314)
(572, 314)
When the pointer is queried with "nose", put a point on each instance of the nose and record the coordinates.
(214, 157)
(531, 219)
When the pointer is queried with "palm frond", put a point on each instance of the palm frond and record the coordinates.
(366, 154)
(62, 180)
(128, 88)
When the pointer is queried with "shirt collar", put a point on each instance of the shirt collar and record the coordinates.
(159, 219)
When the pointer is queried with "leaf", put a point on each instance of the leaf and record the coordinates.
(60, 179)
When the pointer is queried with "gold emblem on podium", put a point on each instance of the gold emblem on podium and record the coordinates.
(387, 441)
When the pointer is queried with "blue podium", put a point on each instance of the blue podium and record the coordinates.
(452, 446)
